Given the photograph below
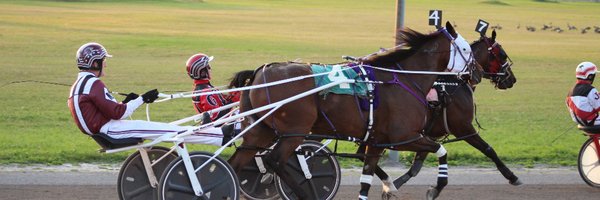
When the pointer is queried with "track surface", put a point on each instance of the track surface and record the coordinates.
(346, 192)
(465, 183)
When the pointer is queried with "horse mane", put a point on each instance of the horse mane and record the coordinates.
(481, 39)
(411, 41)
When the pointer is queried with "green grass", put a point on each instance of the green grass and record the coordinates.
(151, 40)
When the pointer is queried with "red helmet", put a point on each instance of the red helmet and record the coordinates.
(198, 66)
(585, 70)
(88, 53)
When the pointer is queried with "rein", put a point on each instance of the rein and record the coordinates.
(421, 98)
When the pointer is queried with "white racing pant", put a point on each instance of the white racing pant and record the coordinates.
(119, 129)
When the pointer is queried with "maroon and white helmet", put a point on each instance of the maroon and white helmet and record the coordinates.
(198, 66)
(88, 53)
(585, 69)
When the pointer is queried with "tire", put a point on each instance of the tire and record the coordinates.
(133, 181)
(256, 185)
(218, 180)
(325, 171)
(588, 164)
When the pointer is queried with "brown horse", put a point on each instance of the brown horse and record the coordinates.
(397, 122)
(460, 109)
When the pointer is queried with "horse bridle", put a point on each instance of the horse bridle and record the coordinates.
(493, 50)
(468, 60)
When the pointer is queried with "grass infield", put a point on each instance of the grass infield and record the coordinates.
(151, 40)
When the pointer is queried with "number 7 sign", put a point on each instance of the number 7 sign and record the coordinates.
(481, 27)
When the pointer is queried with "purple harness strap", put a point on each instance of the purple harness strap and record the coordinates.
(398, 82)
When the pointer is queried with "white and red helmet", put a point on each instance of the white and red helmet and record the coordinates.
(198, 66)
(88, 53)
(585, 69)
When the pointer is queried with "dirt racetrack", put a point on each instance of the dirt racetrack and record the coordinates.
(346, 192)
(93, 183)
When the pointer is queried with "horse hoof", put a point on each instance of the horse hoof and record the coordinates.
(387, 195)
(432, 193)
(516, 182)
(388, 186)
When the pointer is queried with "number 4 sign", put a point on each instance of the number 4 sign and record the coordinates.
(435, 18)
(481, 27)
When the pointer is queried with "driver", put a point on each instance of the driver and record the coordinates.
(583, 100)
(199, 70)
(96, 111)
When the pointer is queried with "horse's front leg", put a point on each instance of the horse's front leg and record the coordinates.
(370, 163)
(442, 180)
(413, 171)
(477, 142)
(387, 184)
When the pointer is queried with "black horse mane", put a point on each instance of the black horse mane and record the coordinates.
(411, 40)
(481, 39)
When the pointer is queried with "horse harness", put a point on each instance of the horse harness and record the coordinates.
(446, 87)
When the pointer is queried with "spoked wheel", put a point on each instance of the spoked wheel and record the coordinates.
(325, 172)
(133, 181)
(589, 164)
(256, 185)
(217, 179)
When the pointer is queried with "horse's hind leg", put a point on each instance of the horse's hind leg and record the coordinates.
(442, 180)
(477, 142)
(413, 171)
(259, 137)
(277, 160)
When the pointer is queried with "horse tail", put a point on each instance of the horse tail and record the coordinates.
(248, 77)
(241, 79)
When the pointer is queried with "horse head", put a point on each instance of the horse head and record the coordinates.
(495, 61)
(442, 50)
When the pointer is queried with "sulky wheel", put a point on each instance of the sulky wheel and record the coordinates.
(256, 185)
(133, 181)
(589, 164)
(217, 179)
(325, 172)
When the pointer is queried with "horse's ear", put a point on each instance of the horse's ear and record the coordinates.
(450, 29)
(494, 35)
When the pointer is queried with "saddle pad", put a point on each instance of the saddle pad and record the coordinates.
(359, 89)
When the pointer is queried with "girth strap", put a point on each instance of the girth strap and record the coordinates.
(370, 97)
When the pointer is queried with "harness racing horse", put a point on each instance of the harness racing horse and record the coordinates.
(397, 122)
(460, 109)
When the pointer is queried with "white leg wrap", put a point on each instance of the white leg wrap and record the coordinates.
(443, 170)
(361, 197)
(368, 179)
(441, 151)
(388, 186)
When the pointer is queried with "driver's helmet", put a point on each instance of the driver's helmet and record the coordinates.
(88, 53)
(585, 70)
(198, 66)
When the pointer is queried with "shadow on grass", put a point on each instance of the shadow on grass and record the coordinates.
(496, 2)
